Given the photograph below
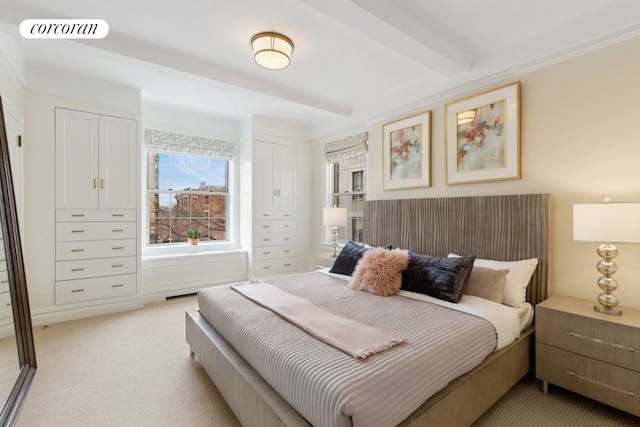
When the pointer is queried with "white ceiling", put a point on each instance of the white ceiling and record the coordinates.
(353, 60)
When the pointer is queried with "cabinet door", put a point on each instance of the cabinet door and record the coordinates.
(76, 159)
(264, 179)
(117, 166)
(286, 177)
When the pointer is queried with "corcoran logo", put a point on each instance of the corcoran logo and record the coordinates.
(64, 29)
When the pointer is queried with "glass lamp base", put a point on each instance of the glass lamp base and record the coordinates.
(607, 310)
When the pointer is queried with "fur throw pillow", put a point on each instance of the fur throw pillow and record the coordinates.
(380, 271)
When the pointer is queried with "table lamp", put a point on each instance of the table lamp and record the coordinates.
(610, 223)
(334, 217)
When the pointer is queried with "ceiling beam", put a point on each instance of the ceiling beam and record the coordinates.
(385, 23)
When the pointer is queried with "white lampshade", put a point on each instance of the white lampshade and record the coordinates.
(334, 217)
(272, 50)
(607, 222)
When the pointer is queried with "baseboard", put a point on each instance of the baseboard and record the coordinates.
(63, 314)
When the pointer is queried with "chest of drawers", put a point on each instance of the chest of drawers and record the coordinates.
(590, 353)
(95, 254)
(275, 243)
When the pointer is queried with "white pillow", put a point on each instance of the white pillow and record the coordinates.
(520, 272)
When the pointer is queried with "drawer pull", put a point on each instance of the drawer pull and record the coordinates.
(266, 226)
(77, 250)
(599, 341)
(117, 214)
(5, 281)
(601, 384)
(266, 240)
(77, 215)
(287, 251)
(117, 265)
(3, 260)
(266, 214)
(287, 225)
(118, 230)
(287, 238)
(77, 231)
(77, 290)
(77, 269)
(118, 285)
(116, 248)
(266, 267)
(266, 253)
(287, 265)
(287, 214)
(8, 304)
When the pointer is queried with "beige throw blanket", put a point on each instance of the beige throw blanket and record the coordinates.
(349, 336)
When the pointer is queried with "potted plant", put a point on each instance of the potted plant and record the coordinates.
(193, 236)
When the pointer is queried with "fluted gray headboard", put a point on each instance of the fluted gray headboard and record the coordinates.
(507, 228)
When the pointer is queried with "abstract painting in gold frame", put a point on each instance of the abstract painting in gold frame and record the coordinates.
(482, 136)
(406, 156)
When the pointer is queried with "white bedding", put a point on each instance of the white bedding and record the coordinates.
(507, 321)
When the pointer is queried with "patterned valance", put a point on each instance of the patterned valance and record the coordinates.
(346, 148)
(167, 142)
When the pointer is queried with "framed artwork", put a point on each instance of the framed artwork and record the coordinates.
(482, 136)
(406, 156)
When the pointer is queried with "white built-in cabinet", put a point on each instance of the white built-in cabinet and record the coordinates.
(95, 161)
(276, 234)
(96, 206)
(275, 167)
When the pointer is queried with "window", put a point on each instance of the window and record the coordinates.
(349, 183)
(187, 192)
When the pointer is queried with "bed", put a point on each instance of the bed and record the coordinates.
(491, 227)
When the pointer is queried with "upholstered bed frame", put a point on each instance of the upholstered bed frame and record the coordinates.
(507, 227)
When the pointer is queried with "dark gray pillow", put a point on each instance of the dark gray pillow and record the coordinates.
(347, 259)
(437, 277)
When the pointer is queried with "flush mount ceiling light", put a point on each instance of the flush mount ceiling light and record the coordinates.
(466, 117)
(272, 50)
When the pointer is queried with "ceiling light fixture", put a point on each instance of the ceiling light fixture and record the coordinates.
(272, 50)
(466, 117)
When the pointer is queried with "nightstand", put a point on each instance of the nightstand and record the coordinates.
(321, 260)
(593, 354)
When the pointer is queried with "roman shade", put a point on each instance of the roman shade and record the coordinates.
(346, 148)
(168, 142)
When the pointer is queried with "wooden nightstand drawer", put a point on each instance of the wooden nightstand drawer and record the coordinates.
(590, 336)
(610, 384)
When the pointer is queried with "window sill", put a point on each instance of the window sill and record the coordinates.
(186, 250)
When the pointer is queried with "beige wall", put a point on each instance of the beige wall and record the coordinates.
(579, 141)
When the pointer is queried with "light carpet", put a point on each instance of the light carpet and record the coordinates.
(126, 369)
(135, 369)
